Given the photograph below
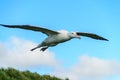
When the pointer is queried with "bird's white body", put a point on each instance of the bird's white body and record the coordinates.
(54, 37)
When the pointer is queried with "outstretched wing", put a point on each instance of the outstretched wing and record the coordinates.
(33, 28)
(91, 35)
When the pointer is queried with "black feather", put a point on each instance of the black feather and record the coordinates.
(91, 35)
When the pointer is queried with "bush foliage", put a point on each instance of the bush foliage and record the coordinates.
(13, 74)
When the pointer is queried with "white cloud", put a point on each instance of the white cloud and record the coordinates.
(16, 53)
(90, 68)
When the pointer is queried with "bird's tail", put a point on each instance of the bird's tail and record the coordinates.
(33, 49)
(43, 48)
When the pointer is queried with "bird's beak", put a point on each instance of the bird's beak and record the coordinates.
(77, 36)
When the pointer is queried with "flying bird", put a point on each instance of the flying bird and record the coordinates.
(55, 37)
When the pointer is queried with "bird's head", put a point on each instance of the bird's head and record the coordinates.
(75, 35)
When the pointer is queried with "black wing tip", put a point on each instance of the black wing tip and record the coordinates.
(102, 38)
(11, 26)
(105, 39)
(4, 25)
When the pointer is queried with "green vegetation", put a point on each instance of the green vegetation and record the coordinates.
(13, 74)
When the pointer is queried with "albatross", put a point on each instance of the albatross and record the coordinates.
(55, 37)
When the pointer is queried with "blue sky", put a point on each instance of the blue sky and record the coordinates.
(97, 16)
